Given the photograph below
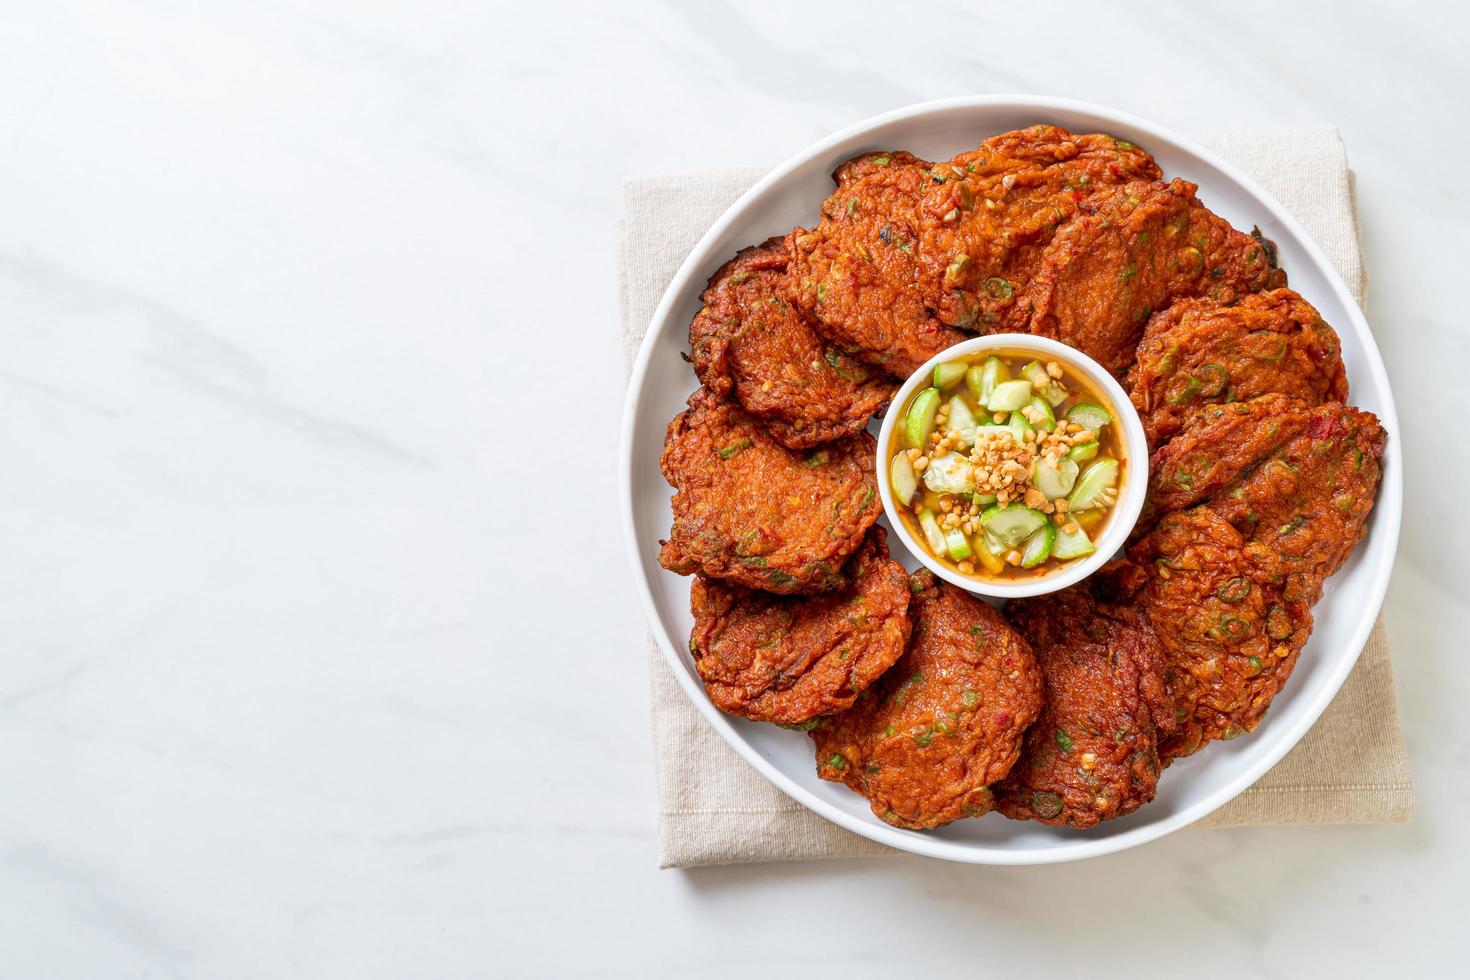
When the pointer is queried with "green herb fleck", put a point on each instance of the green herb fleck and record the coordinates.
(734, 448)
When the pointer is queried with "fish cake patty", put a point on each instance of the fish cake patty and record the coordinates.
(751, 511)
(856, 273)
(990, 212)
(789, 659)
(1146, 245)
(929, 740)
(1093, 753)
(1221, 444)
(1308, 502)
(1231, 638)
(750, 343)
(1199, 352)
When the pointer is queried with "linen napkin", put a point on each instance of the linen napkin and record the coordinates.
(1352, 767)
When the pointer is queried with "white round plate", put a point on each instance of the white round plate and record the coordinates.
(790, 195)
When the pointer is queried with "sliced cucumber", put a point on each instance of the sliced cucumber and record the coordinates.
(1019, 427)
(1012, 525)
(1089, 415)
(902, 479)
(1097, 487)
(1072, 544)
(949, 374)
(975, 381)
(919, 423)
(1009, 396)
(962, 421)
(1039, 545)
(983, 499)
(932, 535)
(957, 545)
(983, 381)
(950, 473)
(1082, 452)
(1048, 420)
(990, 554)
(1036, 374)
(1054, 481)
(1043, 385)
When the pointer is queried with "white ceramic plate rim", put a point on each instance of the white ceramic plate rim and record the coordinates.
(1387, 516)
(1126, 511)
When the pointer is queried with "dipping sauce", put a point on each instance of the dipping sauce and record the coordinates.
(1006, 467)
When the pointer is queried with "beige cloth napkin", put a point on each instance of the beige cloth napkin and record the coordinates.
(1352, 767)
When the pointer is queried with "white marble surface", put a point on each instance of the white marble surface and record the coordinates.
(294, 677)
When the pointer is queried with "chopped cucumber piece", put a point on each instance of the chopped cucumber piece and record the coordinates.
(1082, 452)
(950, 473)
(962, 420)
(1019, 427)
(919, 423)
(957, 544)
(949, 374)
(1072, 544)
(990, 553)
(1043, 385)
(930, 526)
(1009, 396)
(1048, 420)
(1054, 481)
(983, 499)
(1089, 415)
(1012, 525)
(992, 373)
(902, 479)
(1039, 546)
(1097, 487)
(975, 381)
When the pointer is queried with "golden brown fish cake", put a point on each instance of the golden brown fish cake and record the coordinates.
(926, 743)
(856, 272)
(1199, 352)
(1231, 637)
(789, 659)
(1308, 502)
(1146, 245)
(991, 211)
(751, 511)
(750, 343)
(1221, 444)
(1093, 753)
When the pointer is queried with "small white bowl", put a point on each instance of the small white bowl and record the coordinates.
(1135, 466)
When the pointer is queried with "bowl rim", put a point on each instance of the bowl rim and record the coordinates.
(1125, 513)
(1387, 515)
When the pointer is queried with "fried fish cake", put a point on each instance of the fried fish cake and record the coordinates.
(751, 511)
(926, 743)
(990, 212)
(856, 273)
(1199, 352)
(1093, 753)
(750, 343)
(1221, 444)
(1146, 245)
(789, 659)
(908, 248)
(1299, 480)
(1230, 636)
(1308, 502)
